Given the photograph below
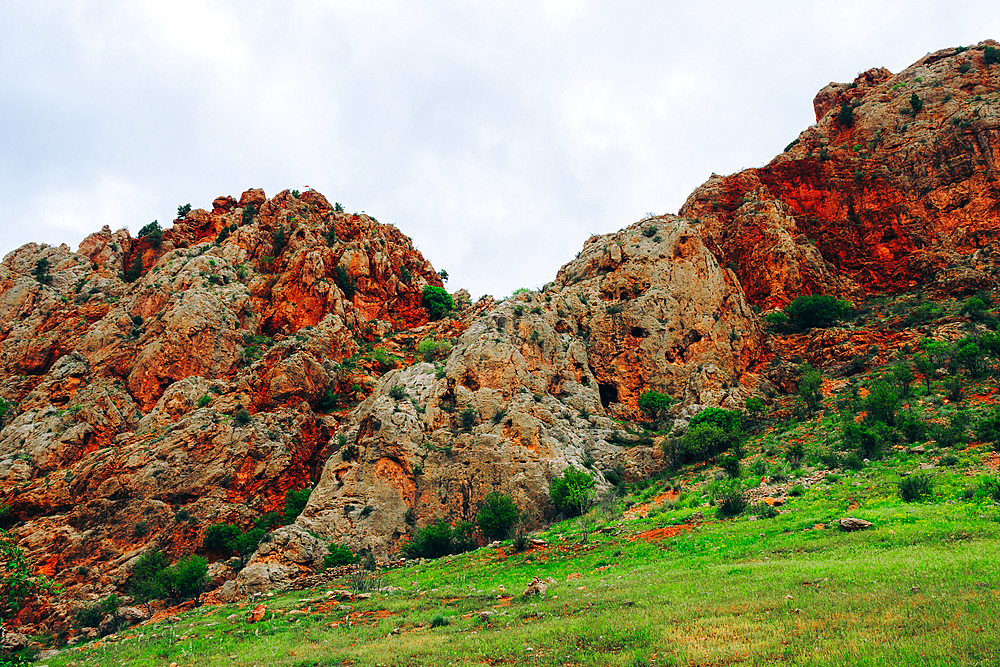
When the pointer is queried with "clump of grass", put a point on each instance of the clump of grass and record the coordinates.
(440, 621)
(915, 487)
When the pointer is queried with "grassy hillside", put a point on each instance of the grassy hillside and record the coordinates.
(654, 575)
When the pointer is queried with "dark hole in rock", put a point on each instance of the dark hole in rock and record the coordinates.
(609, 394)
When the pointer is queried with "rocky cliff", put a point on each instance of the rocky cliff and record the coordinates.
(160, 384)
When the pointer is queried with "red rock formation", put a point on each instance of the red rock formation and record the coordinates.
(881, 204)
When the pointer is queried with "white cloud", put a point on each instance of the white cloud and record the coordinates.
(497, 134)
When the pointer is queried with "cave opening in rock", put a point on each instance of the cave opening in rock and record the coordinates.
(609, 393)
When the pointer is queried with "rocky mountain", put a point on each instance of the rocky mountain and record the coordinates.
(156, 385)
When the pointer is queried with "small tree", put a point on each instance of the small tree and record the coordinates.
(846, 115)
(881, 403)
(916, 103)
(338, 555)
(153, 232)
(497, 516)
(902, 374)
(811, 387)
(295, 502)
(437, 301)
(655, 405)
(183, 210)
(822, 310)
(571, 492)
(926, 368)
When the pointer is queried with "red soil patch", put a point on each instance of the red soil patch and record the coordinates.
(658, 534)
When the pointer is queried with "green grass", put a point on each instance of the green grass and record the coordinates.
(920, 588)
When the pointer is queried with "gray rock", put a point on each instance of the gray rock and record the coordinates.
(849, 524)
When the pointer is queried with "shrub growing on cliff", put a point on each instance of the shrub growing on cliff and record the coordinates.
(295, 502)
(916, 104)
(821, 310)
(220, 537)
(497, 517)
(344, 282)
(655, 405)
(153, 232)
(571, 492)
(41, 272)
(431, 349)
(991, 55)
(17, 585)
(436, 301)
(810, 387)
(846, 115)
(183, 210)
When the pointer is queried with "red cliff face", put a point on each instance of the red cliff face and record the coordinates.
(144, 411)
(903, 192)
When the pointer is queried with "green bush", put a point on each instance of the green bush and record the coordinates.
(811, 387)
(204, 400)
(439, 539)
(731, 504)
(988, 428)
(991, 55)
(881, 403)
(184, 580)
(467, 418)
(326, 403)
(915, 487)
(338, 555)
(727, 420)
(17, 585)
(220, 537)
(916, 103)
(764, 511)
(183, 210)
(153, 232)
(571, 492)
(655, 405)
(344, 282)
(143, 584)
(246, 543)
(430, 349)
(397, 392)
(870, 441)
(436, 301)
(497, 516)
(821, 310)
(295, 502)
(846, 115)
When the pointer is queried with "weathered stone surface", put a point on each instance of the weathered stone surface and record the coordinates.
(850, 524)
(895, 199)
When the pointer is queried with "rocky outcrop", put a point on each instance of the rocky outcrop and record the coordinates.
(892, 196)
(531, 388)
(142, 412)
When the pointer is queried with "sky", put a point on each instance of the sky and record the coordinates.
(499, 135)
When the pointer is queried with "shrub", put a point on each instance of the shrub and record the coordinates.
(430, 349)
(730, 462)
(571, 492)
(246, 543)
(655, 405)
(439, 621)
(497, 516)
(439, 539)
(988, 428)
(17, 585)
(955, 432)
(797, 490)
(819, 311)
(467, 418)
(249, 211)
(881, 403)
(869, 440)
(242, 417)
(954, 387)
(204, 400)
(811, 387)
(344, 282)
(700, 443)
(991, 55)
(727, 420)
(397, 392)
(764, 511)
(846, 115)
(649, 232)
(731, 504)
(183, 210)
(143, 584)
(915, 487)
(911, 426)
(153, 232)
(90, 616)
(220, 537)
(41, 272)
(183, 580)
(327, 402)
(295, 502)
(134, 269)
(338, 555)
(436, 301)
(268, 521)
(916, 103)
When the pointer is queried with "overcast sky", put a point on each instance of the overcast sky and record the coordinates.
(499, 135)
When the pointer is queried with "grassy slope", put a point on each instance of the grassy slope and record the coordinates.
(920, 588)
